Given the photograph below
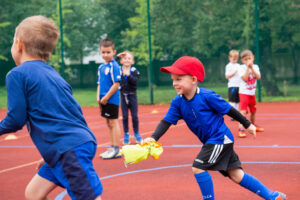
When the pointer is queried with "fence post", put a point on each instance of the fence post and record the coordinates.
(150, 54)
(257, 55)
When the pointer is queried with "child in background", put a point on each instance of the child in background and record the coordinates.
(203, 111)
(249, 74)
(108, 96)
(231, 73)
(129, 82)
(40, 98)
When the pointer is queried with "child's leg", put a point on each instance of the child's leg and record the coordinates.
(205, 183)
(124, 108)
(39, 188)
(134, 113)
(251, 183)
(244, 113)
(252, 108)
(110, 128)
(231, 103)
(236, 105)
(115, 131)
(252, 117)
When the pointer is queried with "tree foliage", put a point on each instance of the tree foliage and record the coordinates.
(83, 25)
(201, 28)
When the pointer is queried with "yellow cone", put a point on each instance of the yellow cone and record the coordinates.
(11, 137)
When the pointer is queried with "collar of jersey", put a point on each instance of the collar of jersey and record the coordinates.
(197, 92)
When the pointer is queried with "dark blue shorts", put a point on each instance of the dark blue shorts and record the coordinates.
(75, 172)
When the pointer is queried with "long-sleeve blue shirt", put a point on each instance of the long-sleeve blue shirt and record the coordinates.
(40, 98)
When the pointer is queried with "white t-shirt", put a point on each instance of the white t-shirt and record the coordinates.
(235, 80)
(248, 87)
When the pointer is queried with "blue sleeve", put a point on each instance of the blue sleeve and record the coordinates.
(116, 72)
(16, 103)
(217, 103)
(98, 76)
(173, 114)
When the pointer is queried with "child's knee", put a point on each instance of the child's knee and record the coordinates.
(236, 175)
(197, 171)
(32, 195)
(111, 123)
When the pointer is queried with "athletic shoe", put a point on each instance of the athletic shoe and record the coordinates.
(242, 133)
(138, 137)
(259, 129)
(280, 196)
(110, 149)
(112, 154)
(126, 138)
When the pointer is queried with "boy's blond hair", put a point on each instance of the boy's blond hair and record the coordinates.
(130, 53)
(233, 52)
(39, 35)
(246, 52)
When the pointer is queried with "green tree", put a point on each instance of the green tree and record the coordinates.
(83, 27)
(135, 38)
(279, 22)
(116, 15)
(173, 25)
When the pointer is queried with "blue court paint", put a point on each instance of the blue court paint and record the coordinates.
(62, 194)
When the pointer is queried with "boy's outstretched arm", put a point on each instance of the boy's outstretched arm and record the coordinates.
(16, 103)
(235, 114)
(161, 128)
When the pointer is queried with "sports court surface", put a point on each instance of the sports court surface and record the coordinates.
(273, 157)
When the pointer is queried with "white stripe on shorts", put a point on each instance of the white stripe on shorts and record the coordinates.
(215, 154)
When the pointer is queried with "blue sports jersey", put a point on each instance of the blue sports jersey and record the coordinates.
(40, 98)
(203, 114)
(107, 75)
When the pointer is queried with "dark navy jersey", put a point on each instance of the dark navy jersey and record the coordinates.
(203, 114)
(129, 83)
(39, 97)
(108, 74)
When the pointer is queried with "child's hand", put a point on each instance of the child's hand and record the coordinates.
(148, 140)
(121, 55)
(252, 129)
(40, 163)
(250, 63)
(104, 101)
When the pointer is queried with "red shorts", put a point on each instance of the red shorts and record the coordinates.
(247, 101)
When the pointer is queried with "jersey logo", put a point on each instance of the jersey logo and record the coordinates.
(200, 161)
(106, 70)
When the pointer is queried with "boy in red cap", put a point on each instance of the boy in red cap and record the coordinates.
(203, 111)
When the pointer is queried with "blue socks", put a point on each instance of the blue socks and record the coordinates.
(253, 184)
(206, 185)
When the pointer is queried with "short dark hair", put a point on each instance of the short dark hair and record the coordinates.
(107, 43)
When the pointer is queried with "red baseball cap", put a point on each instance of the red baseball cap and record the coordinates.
(186, 65)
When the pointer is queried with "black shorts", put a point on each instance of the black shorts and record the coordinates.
(109, 111)
(233, 94)
(217, 157)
